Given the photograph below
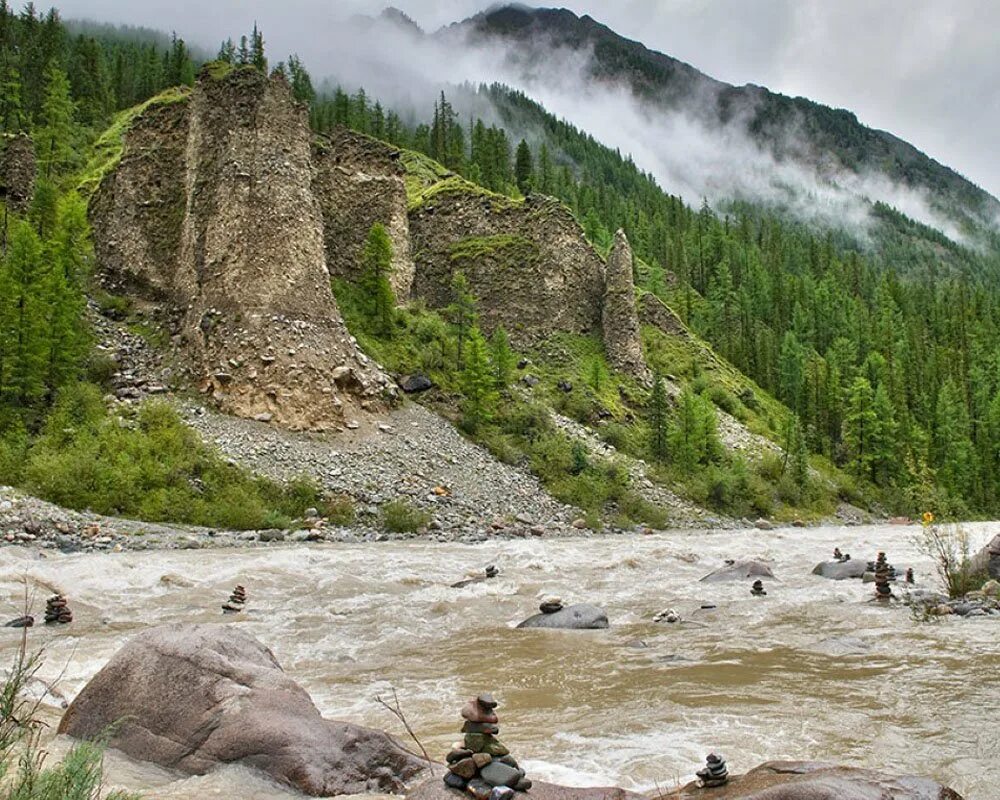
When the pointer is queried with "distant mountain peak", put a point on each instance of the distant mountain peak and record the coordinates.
(400, 18)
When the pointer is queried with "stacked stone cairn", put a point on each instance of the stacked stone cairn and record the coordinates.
(884, 573)
(757, 590)
(909, 575)
(237, 600)
(715, 772)
(57, 611)
(841, 557)
(480, 765)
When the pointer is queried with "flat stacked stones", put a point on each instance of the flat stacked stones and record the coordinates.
(883, 575)
(715, 772)
(841, 557)
(551, 605)
(237, 600)
(757, 590)
(57, 611)
(480, 764)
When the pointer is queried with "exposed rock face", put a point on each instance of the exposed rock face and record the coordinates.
(988, 559)
(17, 172)
(192, 697)
(738, 571)
(212, 209)
(359, 181)
(620, 320)
(435, 790)
(803, 780)
(529, 263)
(578, 617)
(653, 311)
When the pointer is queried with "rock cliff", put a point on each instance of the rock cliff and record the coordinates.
(359, 181)
(620, 319)
(17, 171)
(529, 264)
(211, 211)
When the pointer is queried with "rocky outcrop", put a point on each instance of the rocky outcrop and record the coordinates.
(358, 182)
(211, 210)
(619, 317)
(17, 171)
(805, 780)
(987, 560)
(193, 697)
(653, 311)
(528, 263)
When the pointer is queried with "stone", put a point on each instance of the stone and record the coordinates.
(466, 768)
(26, 621)
(619, 316)
(486, 700)
(480, 727)
(496, 773)
(454, 781)
(740, 570)
(763, 524)
(479, 790)
(434, 789)
(987, 560)
(481, 759)
(577, 617)
(840, 570)
(502, 793)
(757, 590)
(804, 780)
(524, 785)
(194, 697)
(457, 755)
(992, 588)
(473, 712)
(413, 384)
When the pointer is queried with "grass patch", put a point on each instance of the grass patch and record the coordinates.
(400, 516)
(507, 248)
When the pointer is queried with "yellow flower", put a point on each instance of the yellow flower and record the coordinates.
(928, 518)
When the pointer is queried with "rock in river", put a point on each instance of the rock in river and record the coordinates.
(193, 697)
(434, 789)
(841, 570)
(576, 617)
(738, 571)
(804, 780)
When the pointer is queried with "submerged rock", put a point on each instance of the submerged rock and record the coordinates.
(805, 780)
(738, 571)
(841, 570)
(578, 617)
(193, 697)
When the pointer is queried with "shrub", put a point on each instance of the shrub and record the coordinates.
(949, 548)
(339, 510)
(725, 400)
(399, 516)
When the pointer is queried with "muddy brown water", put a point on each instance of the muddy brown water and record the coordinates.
(814, 670)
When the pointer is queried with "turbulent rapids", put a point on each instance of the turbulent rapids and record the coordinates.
(812, 670)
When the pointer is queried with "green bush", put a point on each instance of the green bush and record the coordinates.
(152, 467)
(400, 516)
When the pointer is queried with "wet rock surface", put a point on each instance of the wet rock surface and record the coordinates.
(740, 570)
(193, 697)
(803, 780)
(577, 617)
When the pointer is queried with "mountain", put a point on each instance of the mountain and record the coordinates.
(830, 143)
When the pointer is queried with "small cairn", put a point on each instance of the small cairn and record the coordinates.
(841, 557)
(883, 575)
(715, 772)
(57, 611)
(909, 575)
(757, 590)
(237, 600)
(480, 765)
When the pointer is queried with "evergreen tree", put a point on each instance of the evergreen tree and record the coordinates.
(257, 57)
(376, 267)
(953, 455)
(477, 380)
(693, 437)
(523, 168)
(657, 413)
(859, 427)
(798, 455)
(501, 358)
(227, 52)
(54, 141)
(462, 313)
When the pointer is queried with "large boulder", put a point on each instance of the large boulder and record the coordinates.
(434, 789)
(193, 697)
(738, 571)
(988, 559)
(578, 617)
(841, 570)
(805, 780)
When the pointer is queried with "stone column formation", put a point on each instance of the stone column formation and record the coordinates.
(57, 611)
(620, 319)
(237, 600)
(480, 764)
(715, 772)
(884, 573)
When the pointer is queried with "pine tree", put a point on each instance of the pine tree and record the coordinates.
(462, 314)
(227, 52)
(376, 267)
(55, 150)
(859, 427)
(477, 380)
(257, 57)
(501, 358)
(694, 435)
(657, 414)
(523, 168)
(952, 451)
(243, 54)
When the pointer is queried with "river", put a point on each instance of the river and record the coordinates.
(814, 670)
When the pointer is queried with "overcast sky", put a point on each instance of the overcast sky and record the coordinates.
(926, 70)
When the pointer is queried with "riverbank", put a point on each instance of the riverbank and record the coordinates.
(813, 670)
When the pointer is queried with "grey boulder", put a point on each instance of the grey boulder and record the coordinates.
(578, 617)
(841, 570)
(193, 697)
(738, 571)
(988, 559)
